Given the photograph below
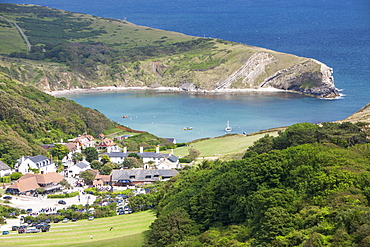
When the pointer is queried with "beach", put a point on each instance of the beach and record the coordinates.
(158, 89)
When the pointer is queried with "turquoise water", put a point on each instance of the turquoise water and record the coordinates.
(334, 32)
(166, 114)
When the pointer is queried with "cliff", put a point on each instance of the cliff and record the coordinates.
(106, 52)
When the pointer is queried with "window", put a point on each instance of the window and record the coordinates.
(132, 176)
(148, 176)
(156, 176)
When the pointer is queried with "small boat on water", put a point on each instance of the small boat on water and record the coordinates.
(125, 117)
(188, 128)
(228, 128)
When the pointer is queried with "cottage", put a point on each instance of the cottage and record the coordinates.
(140, 176)
(30, 182)
(40, 162)
(75, 170)
(85, 140)
(109, 145)
(161, 161)
(5, 170)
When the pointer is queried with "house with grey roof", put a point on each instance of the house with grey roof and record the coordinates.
(40, 162)
(5, 170)
(75, 170)
(140, 176)
(161, 161)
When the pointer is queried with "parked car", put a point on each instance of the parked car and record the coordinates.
(29, 210)
(5, 232)
(62, 202)
(7, 197)
(74, 219)
(48, 221)
(91, 218)
(22, 230)
(15, 228)
(32, 230)
(56, 220)
(65, 220)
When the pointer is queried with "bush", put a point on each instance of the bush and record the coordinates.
(183, 160)
(67, 195)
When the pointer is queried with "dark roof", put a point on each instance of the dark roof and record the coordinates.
(4, 166)
(170, 157)
(135, 175)
(37, 158)
(83, 164)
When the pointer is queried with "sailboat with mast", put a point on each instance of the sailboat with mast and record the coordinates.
(228, 127)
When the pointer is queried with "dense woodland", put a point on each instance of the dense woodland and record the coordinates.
(310, 187)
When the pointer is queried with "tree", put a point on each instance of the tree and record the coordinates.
(96, 164)
(193, 154)
(59, 151)
(263, 145)
(15, 175)
(91, 154)
(131, 162)
(105, 159)
(170, 228)
(77, 157)
(88, 176)
(106, 169)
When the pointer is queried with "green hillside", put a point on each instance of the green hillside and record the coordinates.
(309, 186)
(72, 50)
(29, 117)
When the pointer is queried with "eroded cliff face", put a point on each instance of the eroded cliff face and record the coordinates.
(310, 77)
(251, 71)
(305, 78)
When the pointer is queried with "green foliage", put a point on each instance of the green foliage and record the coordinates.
(105, 159)
(344, 134)
(64, 195)
(88, 176)
(32, 115)
(170, 228)
(59, 151)
(106, 169)
(15, 175)
(91, 154)
(95, 164)
(76, 157)
(306, 195)
(131, 162)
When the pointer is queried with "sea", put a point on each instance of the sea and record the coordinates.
(336, 33)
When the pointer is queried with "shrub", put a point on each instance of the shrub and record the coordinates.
(67, 195)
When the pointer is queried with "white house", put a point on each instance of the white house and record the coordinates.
(161, 161)
(5, 170)
(25, 164)
(75, 170)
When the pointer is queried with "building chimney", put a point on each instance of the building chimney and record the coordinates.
(125, 149)
(141, 149)
(172, 151)
(51, 159)
(157, 149)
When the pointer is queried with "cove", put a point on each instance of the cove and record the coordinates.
(165, 114)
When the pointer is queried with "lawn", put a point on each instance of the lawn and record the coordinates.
(128, 231)
(220, 146)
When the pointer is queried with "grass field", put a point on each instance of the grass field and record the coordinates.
(221, 146)
(128, 231)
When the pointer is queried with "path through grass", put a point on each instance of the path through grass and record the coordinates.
(128, 231)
